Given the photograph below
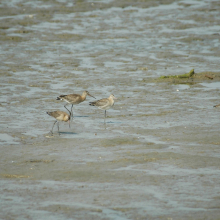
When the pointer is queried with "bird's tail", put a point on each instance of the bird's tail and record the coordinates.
(49, 113)
(60, 97)
(92, 103)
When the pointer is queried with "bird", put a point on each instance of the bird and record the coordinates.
(217, 105)
(104, 104)
(74, 99)
(60, 116)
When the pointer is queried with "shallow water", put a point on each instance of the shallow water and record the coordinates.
(157, 155)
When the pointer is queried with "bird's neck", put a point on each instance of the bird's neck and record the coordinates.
(111, 100)
(83, 96)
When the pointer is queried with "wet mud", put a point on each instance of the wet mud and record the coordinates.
(156, 155)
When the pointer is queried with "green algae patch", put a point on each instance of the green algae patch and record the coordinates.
(190, 77)
(186, 75)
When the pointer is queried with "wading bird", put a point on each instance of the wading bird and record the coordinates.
(104, 104)
(74, 99)
(60, 116)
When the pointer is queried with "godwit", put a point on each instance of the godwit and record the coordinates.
(104, 104)
(217, 105)
(74, 99)
(60, 116)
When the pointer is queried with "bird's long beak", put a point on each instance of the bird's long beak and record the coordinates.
(92, 96)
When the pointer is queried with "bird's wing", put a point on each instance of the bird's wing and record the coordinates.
(54, 114)
(58, 113)
(71, 97)
(101, 102)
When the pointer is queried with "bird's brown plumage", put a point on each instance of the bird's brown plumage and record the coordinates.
(104, 104)
(217, 105)
(74, 99)
(59, 115)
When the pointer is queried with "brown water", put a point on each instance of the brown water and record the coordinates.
(157, 155)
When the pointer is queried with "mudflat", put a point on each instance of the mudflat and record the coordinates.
(156, 155)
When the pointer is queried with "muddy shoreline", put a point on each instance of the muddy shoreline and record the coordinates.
(157, 155)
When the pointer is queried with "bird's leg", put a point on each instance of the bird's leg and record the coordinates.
(67, 110)
(72, 111)
(105, 117)
(69, 113)
(53, 126)
(66, 107)
(58, 128)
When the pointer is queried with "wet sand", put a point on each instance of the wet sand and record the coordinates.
(157, 155)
